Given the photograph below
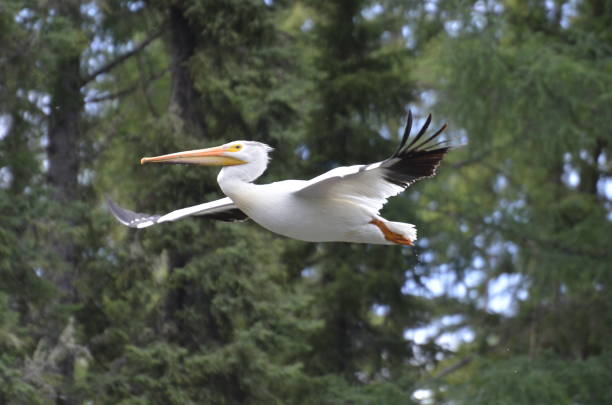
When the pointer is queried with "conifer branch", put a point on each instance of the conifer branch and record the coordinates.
(144, 85)
(130, 89)
(121, 58)
(454, 367)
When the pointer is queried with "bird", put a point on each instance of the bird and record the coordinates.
(341, 205)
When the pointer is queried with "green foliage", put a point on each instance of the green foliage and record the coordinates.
(200, 312)
(548, 90)
(547, 380)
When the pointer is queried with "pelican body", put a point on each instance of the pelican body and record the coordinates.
(341, 205)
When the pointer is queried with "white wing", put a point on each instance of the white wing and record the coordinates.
(371, 185)
(222, 210)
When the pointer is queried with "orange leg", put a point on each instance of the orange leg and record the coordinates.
(390, 235)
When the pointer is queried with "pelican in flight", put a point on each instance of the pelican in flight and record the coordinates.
(341, 205)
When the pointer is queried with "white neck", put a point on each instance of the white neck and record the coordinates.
(232, 179)
(237, 178)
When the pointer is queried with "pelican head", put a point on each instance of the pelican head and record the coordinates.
(251, 156)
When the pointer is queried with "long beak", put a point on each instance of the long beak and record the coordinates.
(205, 157)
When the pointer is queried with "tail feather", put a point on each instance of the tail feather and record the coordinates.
(409, 231)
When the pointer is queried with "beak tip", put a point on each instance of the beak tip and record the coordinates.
(143, 161)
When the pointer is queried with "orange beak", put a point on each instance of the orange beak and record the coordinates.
(206, 157)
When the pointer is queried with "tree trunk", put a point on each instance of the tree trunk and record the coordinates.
(185, 96)
(65, 128)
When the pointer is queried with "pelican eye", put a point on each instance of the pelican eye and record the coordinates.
(234, 148)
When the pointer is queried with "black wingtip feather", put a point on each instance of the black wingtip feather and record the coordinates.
(416, 160)
(406, 135)
(408, 169)
(438, 132)
(421, 132)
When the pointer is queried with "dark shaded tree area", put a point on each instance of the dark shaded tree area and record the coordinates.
(505, 299)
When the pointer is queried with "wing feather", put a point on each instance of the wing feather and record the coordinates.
(221, 210)
(373, 184)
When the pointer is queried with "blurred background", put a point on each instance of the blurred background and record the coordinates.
(505, 299)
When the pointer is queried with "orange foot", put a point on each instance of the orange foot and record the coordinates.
(390, 235)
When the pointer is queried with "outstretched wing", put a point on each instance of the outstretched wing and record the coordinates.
(373, 184)
(221, 210)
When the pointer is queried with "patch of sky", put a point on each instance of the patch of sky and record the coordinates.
(514, 209)
(584, 155)
(94, 108)
(6, 177)
(427, 257)
(550, 8)
(102, 43)
(5, 124)
(23, 15)
(461, 135)
(134, 6)
(497, 7)
(41, 100)
(92, 11)
(604, 187)
(380, 310)
(569, 10)
(479, 14)
(86, 176)
(373, 11)
(424, 242)
(423, 396)
(308, 272)
(445, 331)
(504, 292)
(428, 99)
(480, 7)
(479, 241)
(453, 27)
(307, 25)
(511, 248)
(443, 282)
(570, 174)
(414, 288)
(431, 6)
(303, 152)
(27, 18)
(494, 218)
(385, 132)
(501, 182)
(408, 37)
(602, 161)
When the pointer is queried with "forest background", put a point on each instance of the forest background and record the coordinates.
(505, 299)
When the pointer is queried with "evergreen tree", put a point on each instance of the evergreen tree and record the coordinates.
(531, 197)
(204, 312)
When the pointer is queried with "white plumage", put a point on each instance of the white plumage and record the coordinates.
(341, 205)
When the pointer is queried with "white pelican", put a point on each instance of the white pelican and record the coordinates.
(341, 205)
